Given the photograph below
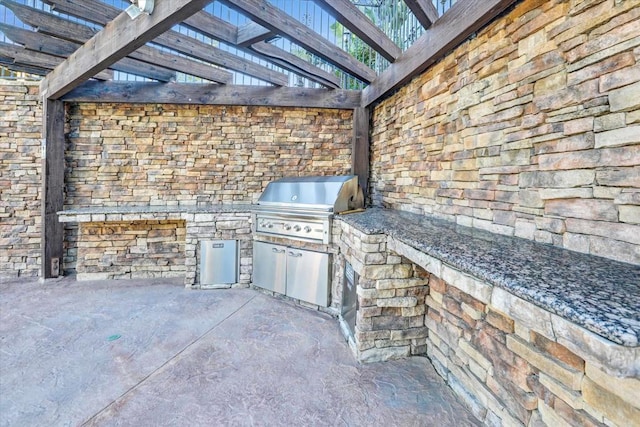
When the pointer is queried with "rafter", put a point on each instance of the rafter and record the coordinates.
(251, 33)
(54, 46)
(176, 41)
(347, 14)
(24, 57)
(189, 93)
(211, 26)
(458, 23)
(72, 31)
(278, 21)
(424, 11)
(10, 64)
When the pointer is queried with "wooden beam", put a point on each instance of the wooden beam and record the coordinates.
(54, 46)
(22, 56)
(294, 63)
(43, 22)
(179, 42)
(360, 148)
(62, 28)
(278, 21)
(251, 33)
(211, 26)
(52, 231)
(118, 39)
(451, 29)
(346, 13)
(206, 94)
(424, 11)
(9, 64)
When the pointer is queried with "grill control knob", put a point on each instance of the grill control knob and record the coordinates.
(307, 229)
(296, 227)
(287, 227)
(269, 225)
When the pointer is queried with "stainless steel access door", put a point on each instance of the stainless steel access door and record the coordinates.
(269, 266)
(308, 276)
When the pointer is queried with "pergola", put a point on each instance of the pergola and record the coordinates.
(77, 64)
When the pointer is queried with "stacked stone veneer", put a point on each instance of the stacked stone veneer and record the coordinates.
(131, 250)
(125, 154)
(511, 361)
(20, 174)
(532, 128)
(391, 292)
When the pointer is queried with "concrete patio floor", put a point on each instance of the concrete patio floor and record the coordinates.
(150, 353)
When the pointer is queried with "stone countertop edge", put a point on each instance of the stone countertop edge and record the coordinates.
(213, 208)
(599, 294)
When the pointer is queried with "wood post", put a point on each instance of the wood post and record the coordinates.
(52, 233)
(360, 148)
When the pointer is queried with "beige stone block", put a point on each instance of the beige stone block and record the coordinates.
(418, 310)
(375, 293)
(628, 389)
(623, 177)
(584, 124)
(549, 417)
(614, 230)
(592, 209)
(383, 354)
(476, 288)
(564, 374)
(612, 358)
(475, 354)
(397, 302)
(625, 98)
(557, 179)
(565, 193)
(523, 312)
(400, 283)
(611, 405)
(609, 122)
(627, 135)
(630, 214)
(571, 397)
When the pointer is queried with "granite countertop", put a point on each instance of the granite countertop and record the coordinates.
(209, 208)
(597, 293)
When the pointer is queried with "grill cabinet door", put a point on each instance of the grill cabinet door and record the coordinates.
(269, 266)
(308, 276)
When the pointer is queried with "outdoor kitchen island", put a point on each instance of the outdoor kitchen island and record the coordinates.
(517, 328)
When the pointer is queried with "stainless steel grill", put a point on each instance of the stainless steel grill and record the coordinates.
(302, 208)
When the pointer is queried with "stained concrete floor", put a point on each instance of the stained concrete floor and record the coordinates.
(150, 353)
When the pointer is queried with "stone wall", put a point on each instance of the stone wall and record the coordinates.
(124, 154)
(131, 250)
(532, 128)
(20, 179)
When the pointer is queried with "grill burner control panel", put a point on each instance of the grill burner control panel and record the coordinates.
(308, 229)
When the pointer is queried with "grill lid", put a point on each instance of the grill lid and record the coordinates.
(327, 193)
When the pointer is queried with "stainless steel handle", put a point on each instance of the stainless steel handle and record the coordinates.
(276, 250)
(294, 254)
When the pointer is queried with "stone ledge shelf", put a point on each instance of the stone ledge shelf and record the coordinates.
(142, 213)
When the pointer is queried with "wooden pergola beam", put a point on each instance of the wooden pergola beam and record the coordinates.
(251, 33)
(210, 94)
(347, 14)
(39, 42)
(278, 21)
(118, 39)
(22, 56)
(451, 29)
(424, 11)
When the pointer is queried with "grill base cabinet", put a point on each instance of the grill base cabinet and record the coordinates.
(296, 273)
